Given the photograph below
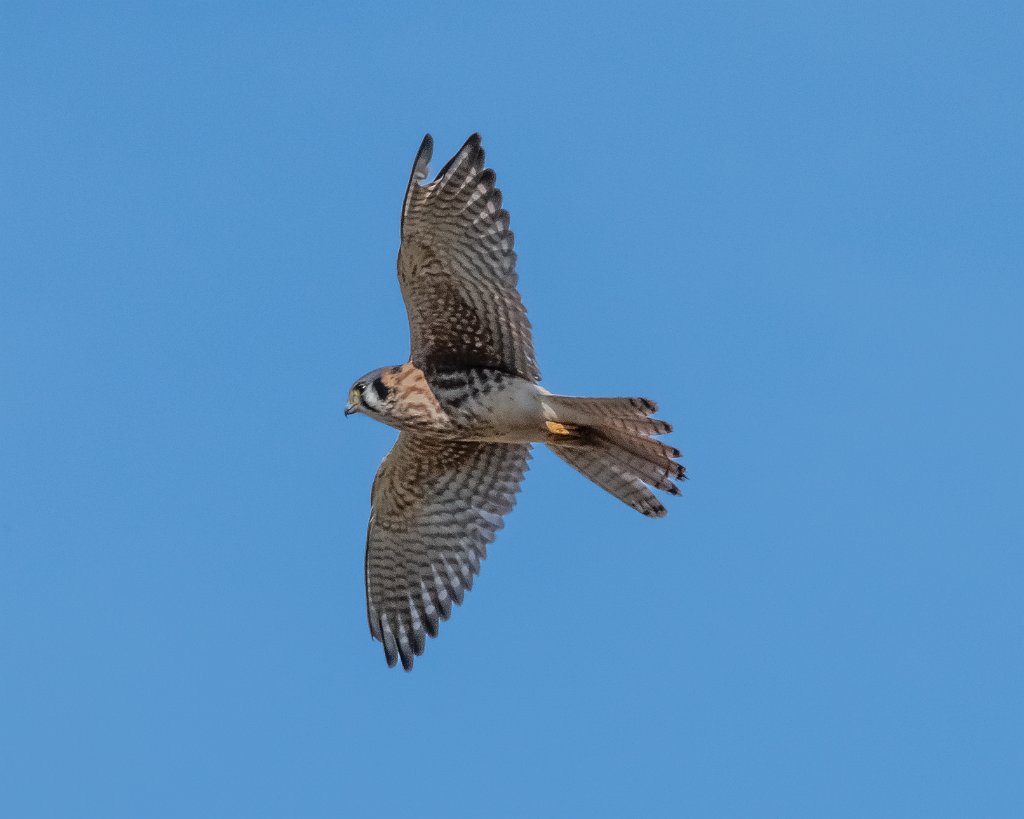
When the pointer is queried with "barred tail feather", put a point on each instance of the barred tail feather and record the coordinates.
(612, 478)
(610, 442)
(627, 414)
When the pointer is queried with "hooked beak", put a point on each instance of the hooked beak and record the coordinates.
(352, 404)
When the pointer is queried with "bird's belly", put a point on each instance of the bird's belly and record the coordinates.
(510, 412)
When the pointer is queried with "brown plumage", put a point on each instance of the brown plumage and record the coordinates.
(469, 406)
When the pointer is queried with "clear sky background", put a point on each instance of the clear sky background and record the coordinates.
(798, 226)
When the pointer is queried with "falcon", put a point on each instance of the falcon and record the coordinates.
(468, 406)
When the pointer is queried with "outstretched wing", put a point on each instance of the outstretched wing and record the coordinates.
(435, 506)
(457, 270)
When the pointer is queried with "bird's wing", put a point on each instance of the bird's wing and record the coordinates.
(457, 270)
(435, 505)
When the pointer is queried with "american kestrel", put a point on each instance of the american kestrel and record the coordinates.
(468, 406)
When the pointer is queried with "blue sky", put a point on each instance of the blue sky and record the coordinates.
(797, 226)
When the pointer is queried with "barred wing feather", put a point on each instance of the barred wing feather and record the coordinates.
(457, 270)
(435, 505)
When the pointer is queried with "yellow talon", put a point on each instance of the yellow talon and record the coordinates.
(556, 428)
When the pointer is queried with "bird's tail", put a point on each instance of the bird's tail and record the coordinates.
(611, 442)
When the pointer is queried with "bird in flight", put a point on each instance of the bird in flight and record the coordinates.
(469, 406)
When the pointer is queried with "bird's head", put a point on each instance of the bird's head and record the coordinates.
(372, 395)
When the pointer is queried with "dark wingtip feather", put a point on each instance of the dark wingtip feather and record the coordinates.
(470, 149)
(388, 639)
(476, 156)
(431, 615)
(420, 167)
(653, 510)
